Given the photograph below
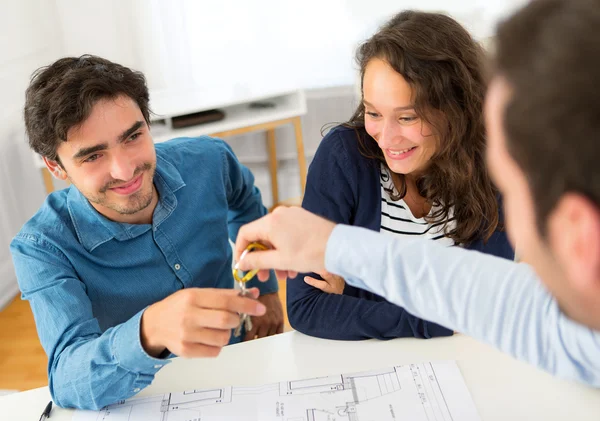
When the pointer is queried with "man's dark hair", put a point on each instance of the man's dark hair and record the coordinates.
(61, 96)
(549, 53)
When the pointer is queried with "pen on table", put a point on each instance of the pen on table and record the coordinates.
(46, 413)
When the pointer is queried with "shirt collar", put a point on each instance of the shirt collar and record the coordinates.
(94, 229)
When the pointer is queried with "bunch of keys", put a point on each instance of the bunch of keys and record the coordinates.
(241, 280)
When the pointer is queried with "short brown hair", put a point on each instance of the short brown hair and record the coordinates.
(549, 53)
(61, 96)
(445, 68)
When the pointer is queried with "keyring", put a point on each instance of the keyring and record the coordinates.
(250, 274)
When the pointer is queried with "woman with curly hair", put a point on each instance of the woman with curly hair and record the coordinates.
(409, 162)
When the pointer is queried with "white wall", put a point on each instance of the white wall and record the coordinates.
(231, 50)
(28, 39)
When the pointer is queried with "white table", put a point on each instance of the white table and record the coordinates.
(502, 388)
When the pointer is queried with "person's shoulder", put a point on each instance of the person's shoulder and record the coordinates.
(498, 244)
(342, 137)
(344, 142)
(184, 146)
(52, 222)
(184, 151)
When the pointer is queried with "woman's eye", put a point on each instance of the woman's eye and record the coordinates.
(407, 119)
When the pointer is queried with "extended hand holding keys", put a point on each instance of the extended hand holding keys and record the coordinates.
(297, 241)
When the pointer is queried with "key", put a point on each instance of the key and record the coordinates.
(245, 320)
(248, 324)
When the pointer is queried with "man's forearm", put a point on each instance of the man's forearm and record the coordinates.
(90, 374)
(489, 298)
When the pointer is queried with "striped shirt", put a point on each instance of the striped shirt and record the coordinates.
(398, 220)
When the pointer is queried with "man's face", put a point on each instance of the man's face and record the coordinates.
(555, 259)
(111, 159)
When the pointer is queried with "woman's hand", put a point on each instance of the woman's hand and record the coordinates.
(331, 284)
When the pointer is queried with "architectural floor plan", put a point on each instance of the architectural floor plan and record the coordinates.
(427, 391)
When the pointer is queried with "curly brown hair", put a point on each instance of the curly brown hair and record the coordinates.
(445, 68)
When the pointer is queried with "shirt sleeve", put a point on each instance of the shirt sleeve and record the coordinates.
(245, 205)
(87, 368)
(331, 193)
(489, 298)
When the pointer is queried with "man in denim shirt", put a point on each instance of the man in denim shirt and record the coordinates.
(133, 261)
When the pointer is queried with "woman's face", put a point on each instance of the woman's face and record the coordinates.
(407, 142)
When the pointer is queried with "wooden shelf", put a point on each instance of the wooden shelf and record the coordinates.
(238, 117)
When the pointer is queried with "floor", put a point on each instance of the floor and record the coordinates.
(22, 358)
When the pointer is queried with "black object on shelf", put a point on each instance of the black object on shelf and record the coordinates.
(194, 119)
(262, 105)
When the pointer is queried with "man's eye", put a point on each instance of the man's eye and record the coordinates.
(92, 158)
(134, 136)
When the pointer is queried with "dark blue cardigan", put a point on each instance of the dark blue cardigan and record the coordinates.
(344, 186)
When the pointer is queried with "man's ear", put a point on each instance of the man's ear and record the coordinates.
(55, 168)
(574, 233)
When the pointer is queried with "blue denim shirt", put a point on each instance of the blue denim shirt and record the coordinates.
(89, 279)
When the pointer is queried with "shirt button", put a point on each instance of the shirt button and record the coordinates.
(157, 366)
(137, 389)
(177, 266)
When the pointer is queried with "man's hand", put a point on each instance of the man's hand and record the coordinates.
(331, 284)
(195, 322)
(297, 241)
(271, 323)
